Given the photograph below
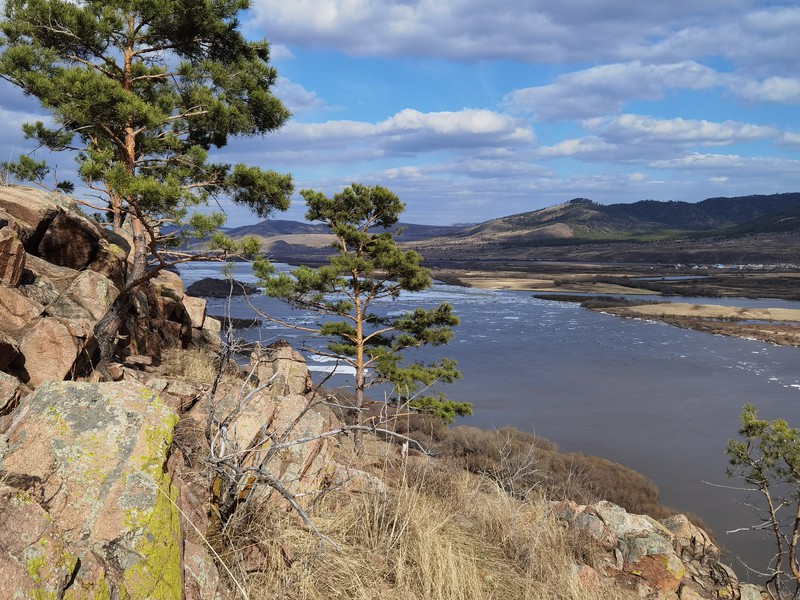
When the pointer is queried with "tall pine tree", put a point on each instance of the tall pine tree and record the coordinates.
(140, 91)
(367, 268)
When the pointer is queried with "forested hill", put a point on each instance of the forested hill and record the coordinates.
(582, 219)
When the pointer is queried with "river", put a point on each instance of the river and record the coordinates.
(659, 399)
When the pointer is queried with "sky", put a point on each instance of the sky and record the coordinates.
(470, 110)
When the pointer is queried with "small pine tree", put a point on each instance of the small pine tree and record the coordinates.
(768, 458)
(368, 267)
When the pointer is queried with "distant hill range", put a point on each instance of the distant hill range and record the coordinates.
(581, 229)
(581, 220)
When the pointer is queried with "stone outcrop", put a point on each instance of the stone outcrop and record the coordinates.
(59, 274)
(670, 559)
(89, 460)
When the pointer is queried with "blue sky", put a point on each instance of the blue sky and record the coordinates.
(471, 110)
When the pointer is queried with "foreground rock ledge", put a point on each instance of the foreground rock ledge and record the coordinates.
(92, 456)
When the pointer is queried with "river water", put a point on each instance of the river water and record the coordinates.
(659, 399)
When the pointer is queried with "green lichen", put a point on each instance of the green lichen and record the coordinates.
(157, 573)
(46, 566)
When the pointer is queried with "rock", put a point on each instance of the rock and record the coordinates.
(12, 257)
(70, 241)
(111, 259)
(279, 414)
(16, 310)
(59, 278)
(168, 285)
(89, 297)
(662, 571)
(671, 560)
(35, 561)
(690, 542)
(201, 576)
(623, 524)
(586, 577)
(288, 366)
(32, 210)
(209, 287)
(98, 453)
(749, 591)
(10, 388)
(196, 309)
(47, 352)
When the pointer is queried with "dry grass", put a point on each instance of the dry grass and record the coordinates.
(195, 364)
(440, 533)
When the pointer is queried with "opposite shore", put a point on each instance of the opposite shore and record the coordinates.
(773, 325)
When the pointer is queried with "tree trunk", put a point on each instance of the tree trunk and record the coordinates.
(358, 439)
(106, 330)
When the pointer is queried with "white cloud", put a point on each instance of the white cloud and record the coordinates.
(409, 131)
(779, 90)
(295, 97)
(604, 89)
(636, 138)
(586, 147)
(527, 30)
(636, 129)
(732, 165)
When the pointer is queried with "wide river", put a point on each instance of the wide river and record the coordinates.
(659, 399)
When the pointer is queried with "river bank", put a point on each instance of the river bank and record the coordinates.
(773, 325)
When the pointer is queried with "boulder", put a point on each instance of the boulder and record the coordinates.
(671, 559)
(35, 561)
(32, 210)
(111, 259)
(38, 269)
(97, 453)
(47, 352)
(88, 297)
(690, 542)
(70, 241)
(168, 285)
(285, 364)
(196, 309)
(278, 414)
(12, 257)
(208, 287)
(16, 310)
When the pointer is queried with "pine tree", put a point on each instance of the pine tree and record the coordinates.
(140, 91)
(367, 268)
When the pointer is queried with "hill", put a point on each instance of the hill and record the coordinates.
(757, 228)
(580, 220)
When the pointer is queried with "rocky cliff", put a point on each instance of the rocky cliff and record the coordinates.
(114, 489)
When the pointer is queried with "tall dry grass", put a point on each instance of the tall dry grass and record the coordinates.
(439, 533)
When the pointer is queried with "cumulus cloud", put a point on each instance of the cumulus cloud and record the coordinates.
(295, 97)
(527, 30)
(411, 131)
(636, 138)
(779, 90)
(605, 89)
(636, 129)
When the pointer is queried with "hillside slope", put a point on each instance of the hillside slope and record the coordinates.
(582, 220)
